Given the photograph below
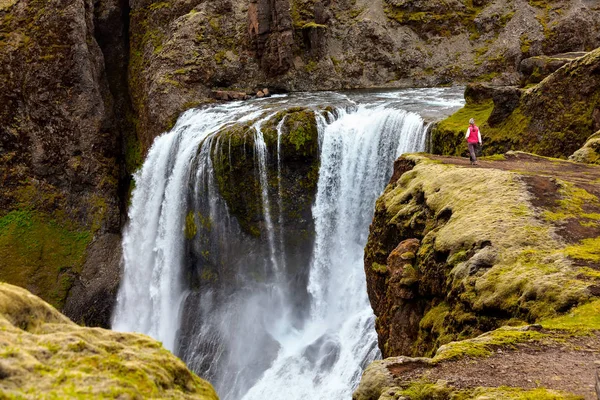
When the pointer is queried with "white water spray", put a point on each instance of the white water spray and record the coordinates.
(253, 342)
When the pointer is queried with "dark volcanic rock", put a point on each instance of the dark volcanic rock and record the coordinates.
(534, 69)
(93, 296)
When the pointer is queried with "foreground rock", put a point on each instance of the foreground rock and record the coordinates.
(554, 118)
(457, 251)
(45, 355)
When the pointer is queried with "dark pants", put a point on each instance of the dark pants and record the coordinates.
(472, 151)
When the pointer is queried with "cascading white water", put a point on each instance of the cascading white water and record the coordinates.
(266, 339)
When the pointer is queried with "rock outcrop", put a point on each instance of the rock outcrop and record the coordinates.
(45, 355)
(510, 247)
(590, 152)
(553, 118)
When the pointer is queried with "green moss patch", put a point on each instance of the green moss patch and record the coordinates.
(423, 390)
(40, 253)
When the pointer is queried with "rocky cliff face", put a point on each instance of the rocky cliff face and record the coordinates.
(456, 251)
(44, 354)
(59, 145)
(182, 50)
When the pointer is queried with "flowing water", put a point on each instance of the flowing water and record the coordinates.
(284, 315)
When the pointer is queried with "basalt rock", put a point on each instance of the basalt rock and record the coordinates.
(535, 69)
(440, 270)
(59, 139)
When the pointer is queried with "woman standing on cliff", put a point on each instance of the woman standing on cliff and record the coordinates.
(473, 137)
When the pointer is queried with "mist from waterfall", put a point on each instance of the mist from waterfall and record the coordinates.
(293, 320)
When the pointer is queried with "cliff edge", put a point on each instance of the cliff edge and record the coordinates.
(484, 266)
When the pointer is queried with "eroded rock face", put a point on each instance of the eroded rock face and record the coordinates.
(535, 69)
(182, 50)
(47, 355)
(59, 142)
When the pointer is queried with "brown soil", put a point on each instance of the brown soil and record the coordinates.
(569, 366)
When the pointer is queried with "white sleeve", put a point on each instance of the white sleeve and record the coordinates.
(467, 135)
(479, 135)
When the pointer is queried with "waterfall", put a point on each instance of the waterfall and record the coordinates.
(281, 313)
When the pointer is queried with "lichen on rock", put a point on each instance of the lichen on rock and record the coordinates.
(484, 254)
(45, 355)
(590, 152)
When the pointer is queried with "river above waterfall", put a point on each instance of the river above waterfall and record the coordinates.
(243, 252)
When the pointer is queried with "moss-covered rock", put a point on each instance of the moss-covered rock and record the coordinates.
(44, 355)
(553, 118)
(484, 263)
(292, 168)
(467, 250)
(59, 141)
(590, 152)
(534, 69)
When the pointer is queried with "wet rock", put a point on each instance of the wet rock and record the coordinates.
(92, 299)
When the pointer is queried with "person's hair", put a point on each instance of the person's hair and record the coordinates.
(472, 121)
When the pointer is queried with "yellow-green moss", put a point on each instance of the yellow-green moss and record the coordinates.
(48, 356)
(485, 345)
(441, 390)
(379, 268)
(190, 226)
(529, 276)
(582, 319)
(41, 253)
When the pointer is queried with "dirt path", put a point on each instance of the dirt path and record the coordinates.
(568, 367)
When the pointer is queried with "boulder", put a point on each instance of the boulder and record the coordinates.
(45, 355)
(590, 152)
